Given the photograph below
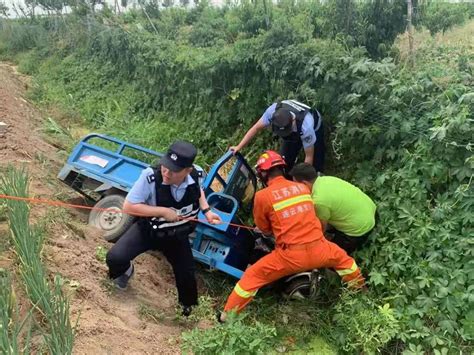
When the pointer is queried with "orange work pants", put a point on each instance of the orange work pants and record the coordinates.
(283, 262)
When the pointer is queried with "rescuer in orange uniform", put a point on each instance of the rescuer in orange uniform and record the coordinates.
(285, 209)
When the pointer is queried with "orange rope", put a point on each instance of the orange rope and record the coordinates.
(113, 210)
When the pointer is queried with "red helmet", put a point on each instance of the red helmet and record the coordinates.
(268, 160)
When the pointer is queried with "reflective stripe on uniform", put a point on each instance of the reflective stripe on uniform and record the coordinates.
(242, 293)
(344, 272)
(292, 201)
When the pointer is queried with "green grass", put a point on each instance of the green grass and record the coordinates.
(317, 345)
(108, 285)
(297, 323)
(235, 336)
(459, 36)
(150, 313)
(100, 253)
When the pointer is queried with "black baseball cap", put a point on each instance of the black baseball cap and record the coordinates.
(282, 122)
(180, 155)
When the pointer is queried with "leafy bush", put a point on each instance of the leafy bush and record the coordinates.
(29, 62)
(22, 37)
(232, 337)
(440, 16)
(417, 164)
(363, 326)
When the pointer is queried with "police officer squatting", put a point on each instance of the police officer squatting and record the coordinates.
(165, 196)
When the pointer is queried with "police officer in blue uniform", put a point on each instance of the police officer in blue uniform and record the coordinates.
(164, 197)
(298, 125)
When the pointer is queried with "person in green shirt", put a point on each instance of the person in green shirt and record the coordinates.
(340, 204)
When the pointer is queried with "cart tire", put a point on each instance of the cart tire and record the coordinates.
(113, 224)
(299, 289)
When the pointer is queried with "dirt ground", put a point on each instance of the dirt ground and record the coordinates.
(109, 321)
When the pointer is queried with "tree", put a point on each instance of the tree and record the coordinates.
(439, 17)
(3, 9)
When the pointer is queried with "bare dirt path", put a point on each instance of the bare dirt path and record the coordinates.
(109, 321)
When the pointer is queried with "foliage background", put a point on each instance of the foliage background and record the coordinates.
(402, 134)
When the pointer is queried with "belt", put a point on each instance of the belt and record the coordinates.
(298, 246)
(184, 229)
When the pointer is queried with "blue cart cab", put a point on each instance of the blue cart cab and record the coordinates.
(229, 186)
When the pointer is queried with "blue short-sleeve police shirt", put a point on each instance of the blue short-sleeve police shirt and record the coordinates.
(143, 191)
(308, 136)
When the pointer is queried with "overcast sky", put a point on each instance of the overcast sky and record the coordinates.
(10, 3)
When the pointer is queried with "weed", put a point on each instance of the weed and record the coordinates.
(73, 284)
(3, 211)
(54, 216)
(57, 135)
(147, 312)
(316, 345)
(100, 253)
(363, 326)
(205, 310)
(108, 285)
(41, 158)
(232, 337)
(216, 283)
(4, 238)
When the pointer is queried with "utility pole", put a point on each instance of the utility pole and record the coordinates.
(410, 32)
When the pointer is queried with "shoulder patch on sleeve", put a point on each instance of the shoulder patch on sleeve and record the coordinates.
(150, 178)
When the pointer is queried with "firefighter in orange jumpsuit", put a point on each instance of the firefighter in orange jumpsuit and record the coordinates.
(285, 209)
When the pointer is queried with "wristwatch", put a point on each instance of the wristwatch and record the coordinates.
(205, 210)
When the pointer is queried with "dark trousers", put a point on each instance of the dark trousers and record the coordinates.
(348, 243)
(176, 249)
(290, 148)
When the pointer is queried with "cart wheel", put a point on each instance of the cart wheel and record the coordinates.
(300, 288)
(114, 224)
(323, 287)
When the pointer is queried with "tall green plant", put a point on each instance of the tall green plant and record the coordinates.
(52, 304)
(11, 325)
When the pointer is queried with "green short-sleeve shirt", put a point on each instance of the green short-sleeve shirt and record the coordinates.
(343, 205)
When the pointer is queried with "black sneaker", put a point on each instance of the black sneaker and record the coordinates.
(121, 282)
(218, 317)
(186, 311)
